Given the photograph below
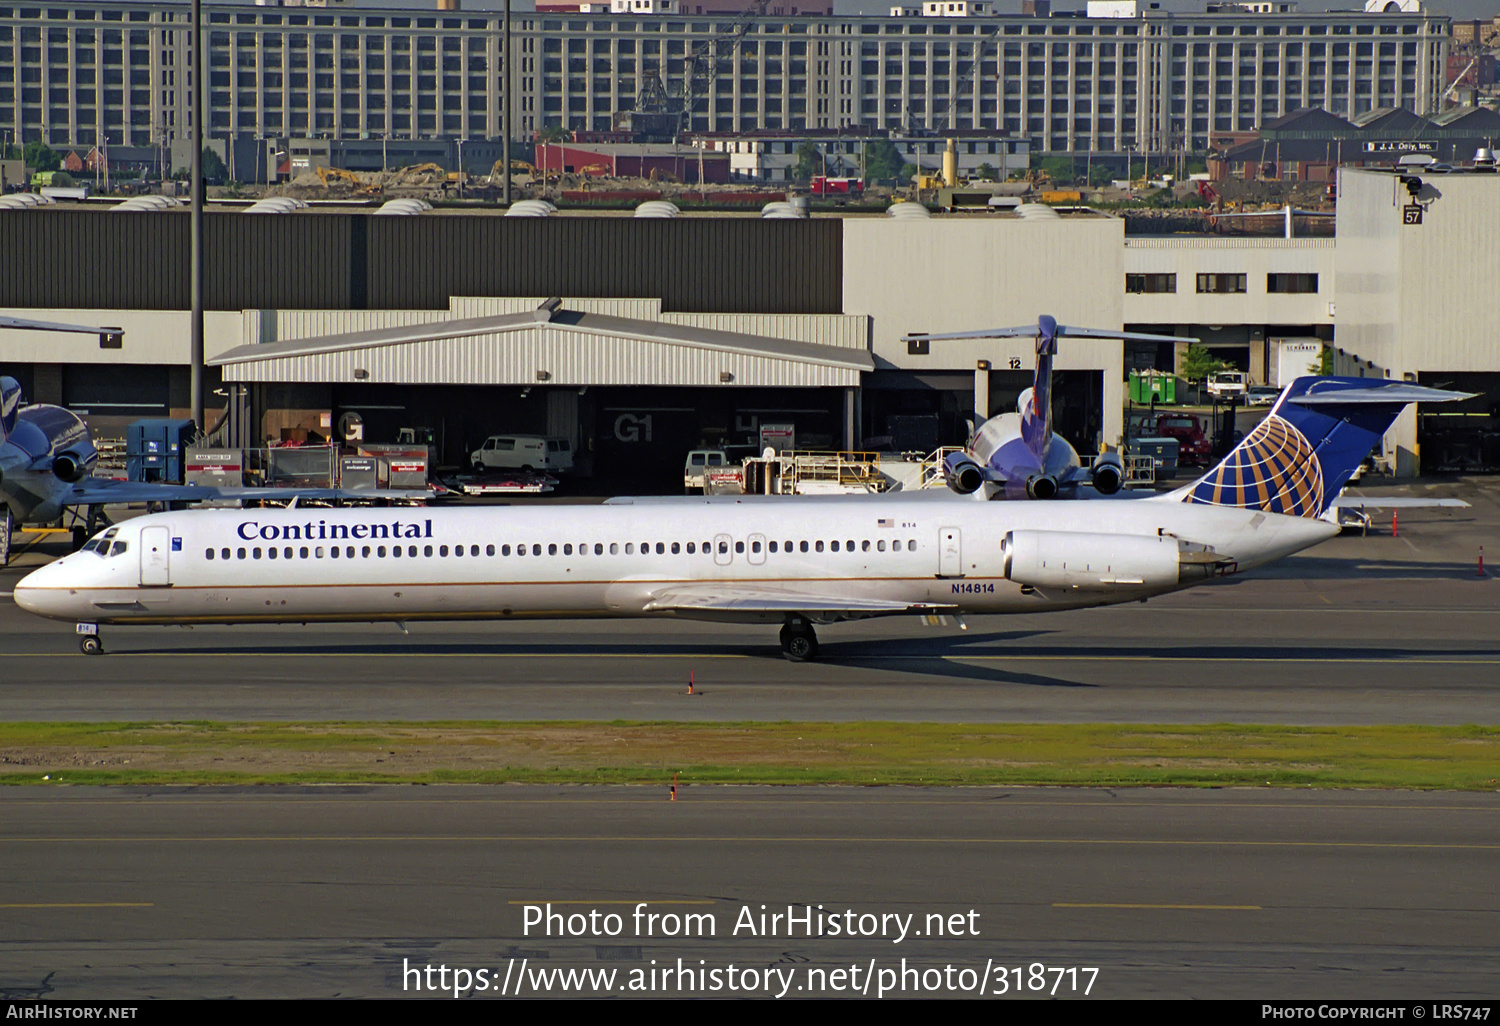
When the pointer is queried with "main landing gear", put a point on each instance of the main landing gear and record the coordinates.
(799, 643)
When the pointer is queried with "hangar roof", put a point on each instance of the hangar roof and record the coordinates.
(549, 345)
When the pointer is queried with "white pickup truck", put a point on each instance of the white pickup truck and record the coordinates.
(1224, 384)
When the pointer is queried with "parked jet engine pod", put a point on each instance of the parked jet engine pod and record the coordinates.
(1107, 474)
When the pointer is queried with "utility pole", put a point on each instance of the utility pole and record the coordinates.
(195, 345)
(505, 102)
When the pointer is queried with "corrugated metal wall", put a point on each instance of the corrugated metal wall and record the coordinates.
(77, 259)
(570, 358)
(732, 265)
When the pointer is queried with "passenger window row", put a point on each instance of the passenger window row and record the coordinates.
(536, 549)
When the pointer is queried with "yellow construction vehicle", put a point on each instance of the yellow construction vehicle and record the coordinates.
(516, 167)
(331, 175)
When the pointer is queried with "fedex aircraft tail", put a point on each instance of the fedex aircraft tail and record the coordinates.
(10, 404)
(1299, 458)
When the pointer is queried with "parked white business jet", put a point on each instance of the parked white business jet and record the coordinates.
(794, 561)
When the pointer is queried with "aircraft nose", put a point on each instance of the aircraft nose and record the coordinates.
(39, 593)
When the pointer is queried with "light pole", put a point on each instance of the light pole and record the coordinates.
(195, 345)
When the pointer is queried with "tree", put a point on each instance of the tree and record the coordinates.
(1200, 363)
(553, 133)
(214, 170)
(986, 172)
(809, 162)
(40, 157)
(883, 162)
(1059, 169)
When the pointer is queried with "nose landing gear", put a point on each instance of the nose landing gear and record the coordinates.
(799, 643)
(88, 639)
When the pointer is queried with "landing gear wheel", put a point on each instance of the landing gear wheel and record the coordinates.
(798, 643)
(90, 644)
(80, 536)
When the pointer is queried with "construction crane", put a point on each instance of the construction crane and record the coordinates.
(1457, 81)
(703, 64)
(965, 83)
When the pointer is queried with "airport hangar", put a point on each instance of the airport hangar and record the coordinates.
(675, 332)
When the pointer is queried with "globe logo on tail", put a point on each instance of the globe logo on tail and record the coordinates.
(1274, 469)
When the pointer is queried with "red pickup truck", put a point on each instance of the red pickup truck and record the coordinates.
(1193, 445)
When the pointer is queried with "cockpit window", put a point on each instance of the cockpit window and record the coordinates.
(91, 545)
(118, 548)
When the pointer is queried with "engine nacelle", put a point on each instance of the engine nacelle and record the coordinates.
(963, 475)
(71, 466)
(1107, 475)
(1068, 559)
(1041, 486)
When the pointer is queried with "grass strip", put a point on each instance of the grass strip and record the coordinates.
(1424, 757)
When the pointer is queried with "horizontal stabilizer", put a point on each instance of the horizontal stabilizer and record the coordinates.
(1395, 502)
(1399, 392)
(1030, 331)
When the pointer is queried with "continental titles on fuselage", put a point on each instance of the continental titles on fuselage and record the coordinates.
(321, 530)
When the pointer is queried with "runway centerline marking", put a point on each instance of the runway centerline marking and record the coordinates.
(1144, 905)
(78, 904)
(617, 901)
(709, 839)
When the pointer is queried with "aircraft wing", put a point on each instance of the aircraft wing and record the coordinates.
(96, 491)
(738, 599)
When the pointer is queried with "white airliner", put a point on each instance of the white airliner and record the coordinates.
(793, 561)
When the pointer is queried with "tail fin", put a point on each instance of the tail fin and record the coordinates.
(10, 404)
(1299, 458)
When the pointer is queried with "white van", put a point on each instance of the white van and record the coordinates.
(699, 463)
(523, 452)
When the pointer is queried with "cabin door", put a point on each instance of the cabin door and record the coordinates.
(156, 545)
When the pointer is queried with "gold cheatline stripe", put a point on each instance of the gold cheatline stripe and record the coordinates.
(516, 584)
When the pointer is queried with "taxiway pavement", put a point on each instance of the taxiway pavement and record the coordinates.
(321, 892)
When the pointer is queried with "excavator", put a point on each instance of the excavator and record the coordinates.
(330, 175)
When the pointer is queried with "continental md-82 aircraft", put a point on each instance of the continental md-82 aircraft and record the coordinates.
(797, 562)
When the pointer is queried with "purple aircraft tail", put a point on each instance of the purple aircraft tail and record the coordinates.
(10, 405)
